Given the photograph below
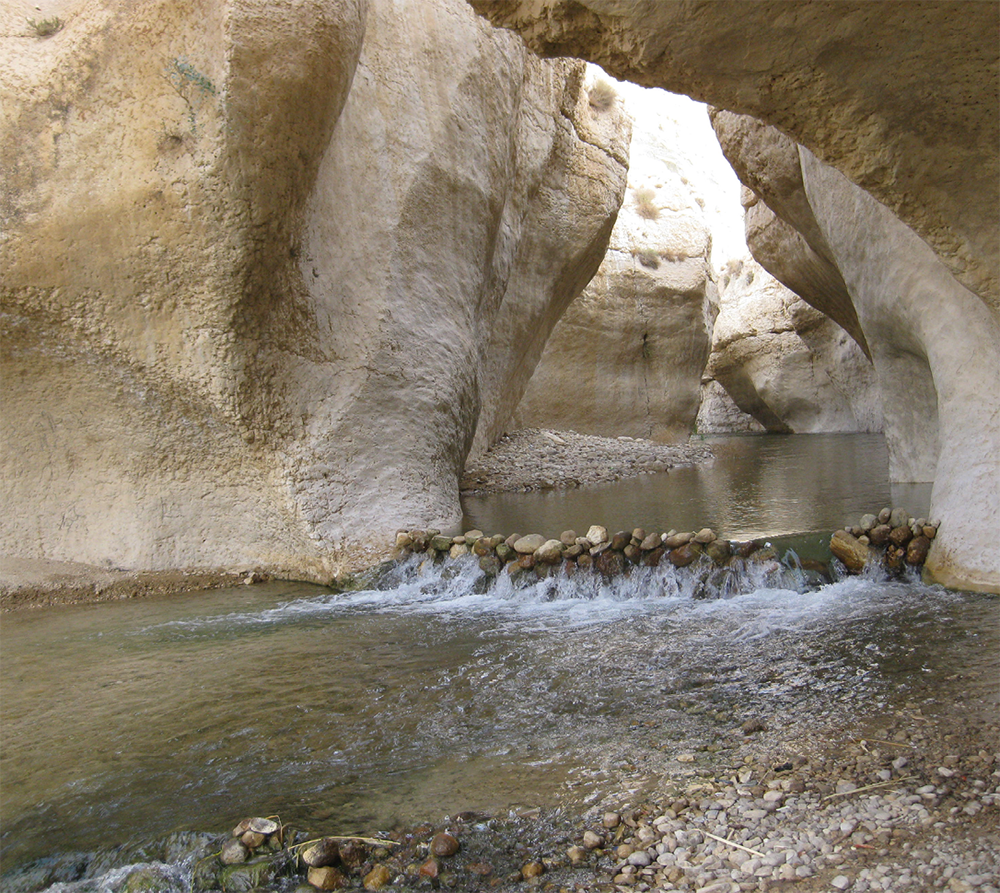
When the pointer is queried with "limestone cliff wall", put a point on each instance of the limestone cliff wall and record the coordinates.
(627, 356)
(260, 264)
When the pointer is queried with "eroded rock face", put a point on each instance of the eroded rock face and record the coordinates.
(627, 356)
(261, 264)
(786, 364)
(934, 345)
(901, 98)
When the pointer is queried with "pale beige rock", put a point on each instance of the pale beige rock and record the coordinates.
(627, 356)
(785, 363)
(264, 267)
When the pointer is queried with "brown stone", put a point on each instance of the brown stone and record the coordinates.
(917, 549)
(430, 869)
(879, 535)
(678, 540)
(720, 551)
(853, 554)
(610, 563)
(322, 853)
(326, 877)
(620, 540)
(684, 555)
(900, 536)
(444, 844)
(584, 561)
(253, 839)
(483, 546)
(568, 537)
(633, 553)
(526, 561)
(353, 854)
(234, 852)
(532, 869)
(377, 878)
(652, 559)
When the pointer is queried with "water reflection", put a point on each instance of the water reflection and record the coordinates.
(757, 486)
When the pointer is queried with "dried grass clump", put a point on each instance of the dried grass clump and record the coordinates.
(602, 96)
(648, 257)
(644, 205)
(45, 27)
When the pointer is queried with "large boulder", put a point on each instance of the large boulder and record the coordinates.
(262, 265)
(627, 356)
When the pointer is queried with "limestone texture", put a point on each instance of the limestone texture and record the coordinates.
(626, 357)
(265, 268)
(790, 367)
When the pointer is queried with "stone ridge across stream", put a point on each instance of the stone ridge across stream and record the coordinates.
(890, 539)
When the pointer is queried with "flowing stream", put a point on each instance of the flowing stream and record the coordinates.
(436, 692)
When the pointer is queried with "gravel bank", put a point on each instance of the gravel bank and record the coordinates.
(535, 459)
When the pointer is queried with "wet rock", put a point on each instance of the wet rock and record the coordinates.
(253, 839)
(577, 855)
(677, 540)
(868, 522)
(505, 552)
(526, 562)
(403, 540)
(894, 557)
(234, 852)
(879, 535)
(513, 538)
(853, 554)
(684, 555)
(597, 535)
(568, 537)
(633, 553)
(928, 531)
(652, 559)
(472, 535)
(149, 879)
(620, 540)
(441, 543)
(353, 854)
(900, 536)
(430, 869)
(444, 844)
(484, 545)
(753, 725)
(592, 840)
(458, 550)
(610, 563)
(531, 870)
(527, 545)
(420, 540)
(573, 551)
(584, 561)
(917, 549)
(248, 876)
(377, 878)
(549, 552)
(650, 542)
(321, 854)
(490, 565)
(326, 877)
(720, 551)
(704, 536)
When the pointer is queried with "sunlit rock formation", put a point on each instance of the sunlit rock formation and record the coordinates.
(897, 99)
(627, 356)
(265, 266)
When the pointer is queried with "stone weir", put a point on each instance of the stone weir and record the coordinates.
(890, 541)
(891, 538)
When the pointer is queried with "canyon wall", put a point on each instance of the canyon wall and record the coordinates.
(896, 105)
(262, 266)
(627, 356)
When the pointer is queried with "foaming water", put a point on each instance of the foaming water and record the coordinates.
(435, 690)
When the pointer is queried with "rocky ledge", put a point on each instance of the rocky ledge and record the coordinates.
(538, 459)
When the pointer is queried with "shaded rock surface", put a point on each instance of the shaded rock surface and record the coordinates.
(267, 267)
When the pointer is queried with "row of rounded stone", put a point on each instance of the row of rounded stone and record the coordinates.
(605, 552)
(898, 540)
